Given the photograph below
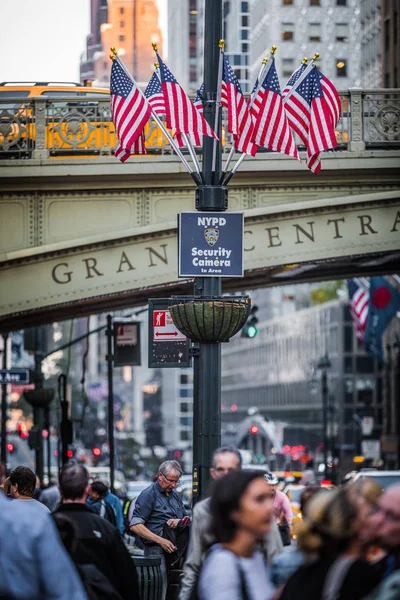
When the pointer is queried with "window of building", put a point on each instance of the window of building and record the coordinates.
(245, 21)
(315, 3)
(121, 38)
(105, 65)
(186, 421)
(314, 32)
(244, 34)
(245, 7)
(287, 2)
(287, 32)
(122, 23)
(342, 32)
(184, 407)
(341, 2)
(121, 11)
(288, 66)
(185, 393)
(341, 67)
(186, 378)
(185, 436)
(245, 47)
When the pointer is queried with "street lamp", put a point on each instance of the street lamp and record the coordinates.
(324, 364)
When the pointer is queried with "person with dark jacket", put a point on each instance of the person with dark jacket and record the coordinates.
(99, 543)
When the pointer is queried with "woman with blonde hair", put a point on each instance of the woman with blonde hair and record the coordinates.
(330, 535)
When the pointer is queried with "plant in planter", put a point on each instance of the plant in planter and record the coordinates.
(209, 319)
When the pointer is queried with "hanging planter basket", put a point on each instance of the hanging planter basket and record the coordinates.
(209, 319)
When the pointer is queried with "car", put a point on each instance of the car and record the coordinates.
(384, 478)
(134, 488)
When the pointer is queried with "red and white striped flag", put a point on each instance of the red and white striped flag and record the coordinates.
(130, 112)
(181, 113)
(271, 128)
(358, 300)
(154, 95)
(309, 115)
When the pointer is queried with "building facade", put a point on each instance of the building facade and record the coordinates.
(390, 43)
(276, 373)
(371, 55)
(131, 26)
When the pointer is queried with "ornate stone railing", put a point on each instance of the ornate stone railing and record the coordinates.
(50, 128)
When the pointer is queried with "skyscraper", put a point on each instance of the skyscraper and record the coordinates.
(130, 26)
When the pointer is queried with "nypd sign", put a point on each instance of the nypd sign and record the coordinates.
(211, 244)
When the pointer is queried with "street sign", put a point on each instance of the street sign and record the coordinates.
(367, 425)
(210, 244)
(371, 449)
(20, 376)
(168, 347)
(126, 343)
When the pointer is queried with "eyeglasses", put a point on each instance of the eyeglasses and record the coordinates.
(387, 513)
(175, 481)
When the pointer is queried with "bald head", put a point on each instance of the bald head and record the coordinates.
(388, 518)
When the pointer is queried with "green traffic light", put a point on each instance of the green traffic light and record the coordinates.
(252, 331)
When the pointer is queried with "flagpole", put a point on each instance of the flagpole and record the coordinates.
(218, 101)
(114, 56)
(265, 67)
(302, 76)
(184, 136)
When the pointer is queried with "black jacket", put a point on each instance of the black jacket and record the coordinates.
(100, 543)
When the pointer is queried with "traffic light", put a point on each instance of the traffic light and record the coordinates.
(96, 451)
(254, 429)
(10, 447)
(250, 328)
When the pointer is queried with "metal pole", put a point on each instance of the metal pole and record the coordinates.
(110, 408)
(48, 440)
(64, 425)
(38, 411)
(324, 386)
(207, 369)
(4, 406)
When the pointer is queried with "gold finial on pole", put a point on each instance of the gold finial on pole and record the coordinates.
(265, 60)
(316, 56)
(273, 50)
(113, 50)
(155, 47)
(304, 61)
(112, 56)
(157, 65)
(222, 44)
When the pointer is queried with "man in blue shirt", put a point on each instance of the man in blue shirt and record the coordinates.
(98, 492)
(33, 561)
(157, 505)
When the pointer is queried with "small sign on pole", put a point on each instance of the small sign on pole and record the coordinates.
(211, 244)
(18, 376)
(126, 343)
(367, 425)
(168, 347)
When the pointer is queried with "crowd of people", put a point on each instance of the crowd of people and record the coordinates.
(68, 540)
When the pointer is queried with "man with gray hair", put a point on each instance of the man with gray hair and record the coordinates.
(157, 505)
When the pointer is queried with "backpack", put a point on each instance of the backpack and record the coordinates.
(125, 512)
(96, 585)
(107, 512)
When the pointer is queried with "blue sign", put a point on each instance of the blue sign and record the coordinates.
(19, 376)
(211, 244)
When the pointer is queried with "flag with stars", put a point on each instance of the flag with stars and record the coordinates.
(271, 128)
(358, 303)
(239, 118)
(154, 95)
(310, 116)
(198, 101)
(181, 113)
(130, 112)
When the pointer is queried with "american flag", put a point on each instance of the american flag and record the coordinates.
(182, 115)
(310, 116)
(130, 112)
(332, 97)
(271, 128)
(198, 101)
(239, 118)
(154, 95)
(358, 300)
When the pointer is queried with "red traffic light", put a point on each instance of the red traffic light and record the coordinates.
(10, 447)
(254, 429)
(177, 453)
(96, 451)
(70, 454)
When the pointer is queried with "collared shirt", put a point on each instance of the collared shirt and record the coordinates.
(154, 508)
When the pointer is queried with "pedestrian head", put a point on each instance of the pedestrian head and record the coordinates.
(308, 494)
(225, 460)
(22, 481)
(365, 493)
(98, 489)
(387, 518)
(169, 474)
(272, 482)
(240, 500)
(328, 527)
(74, 483)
